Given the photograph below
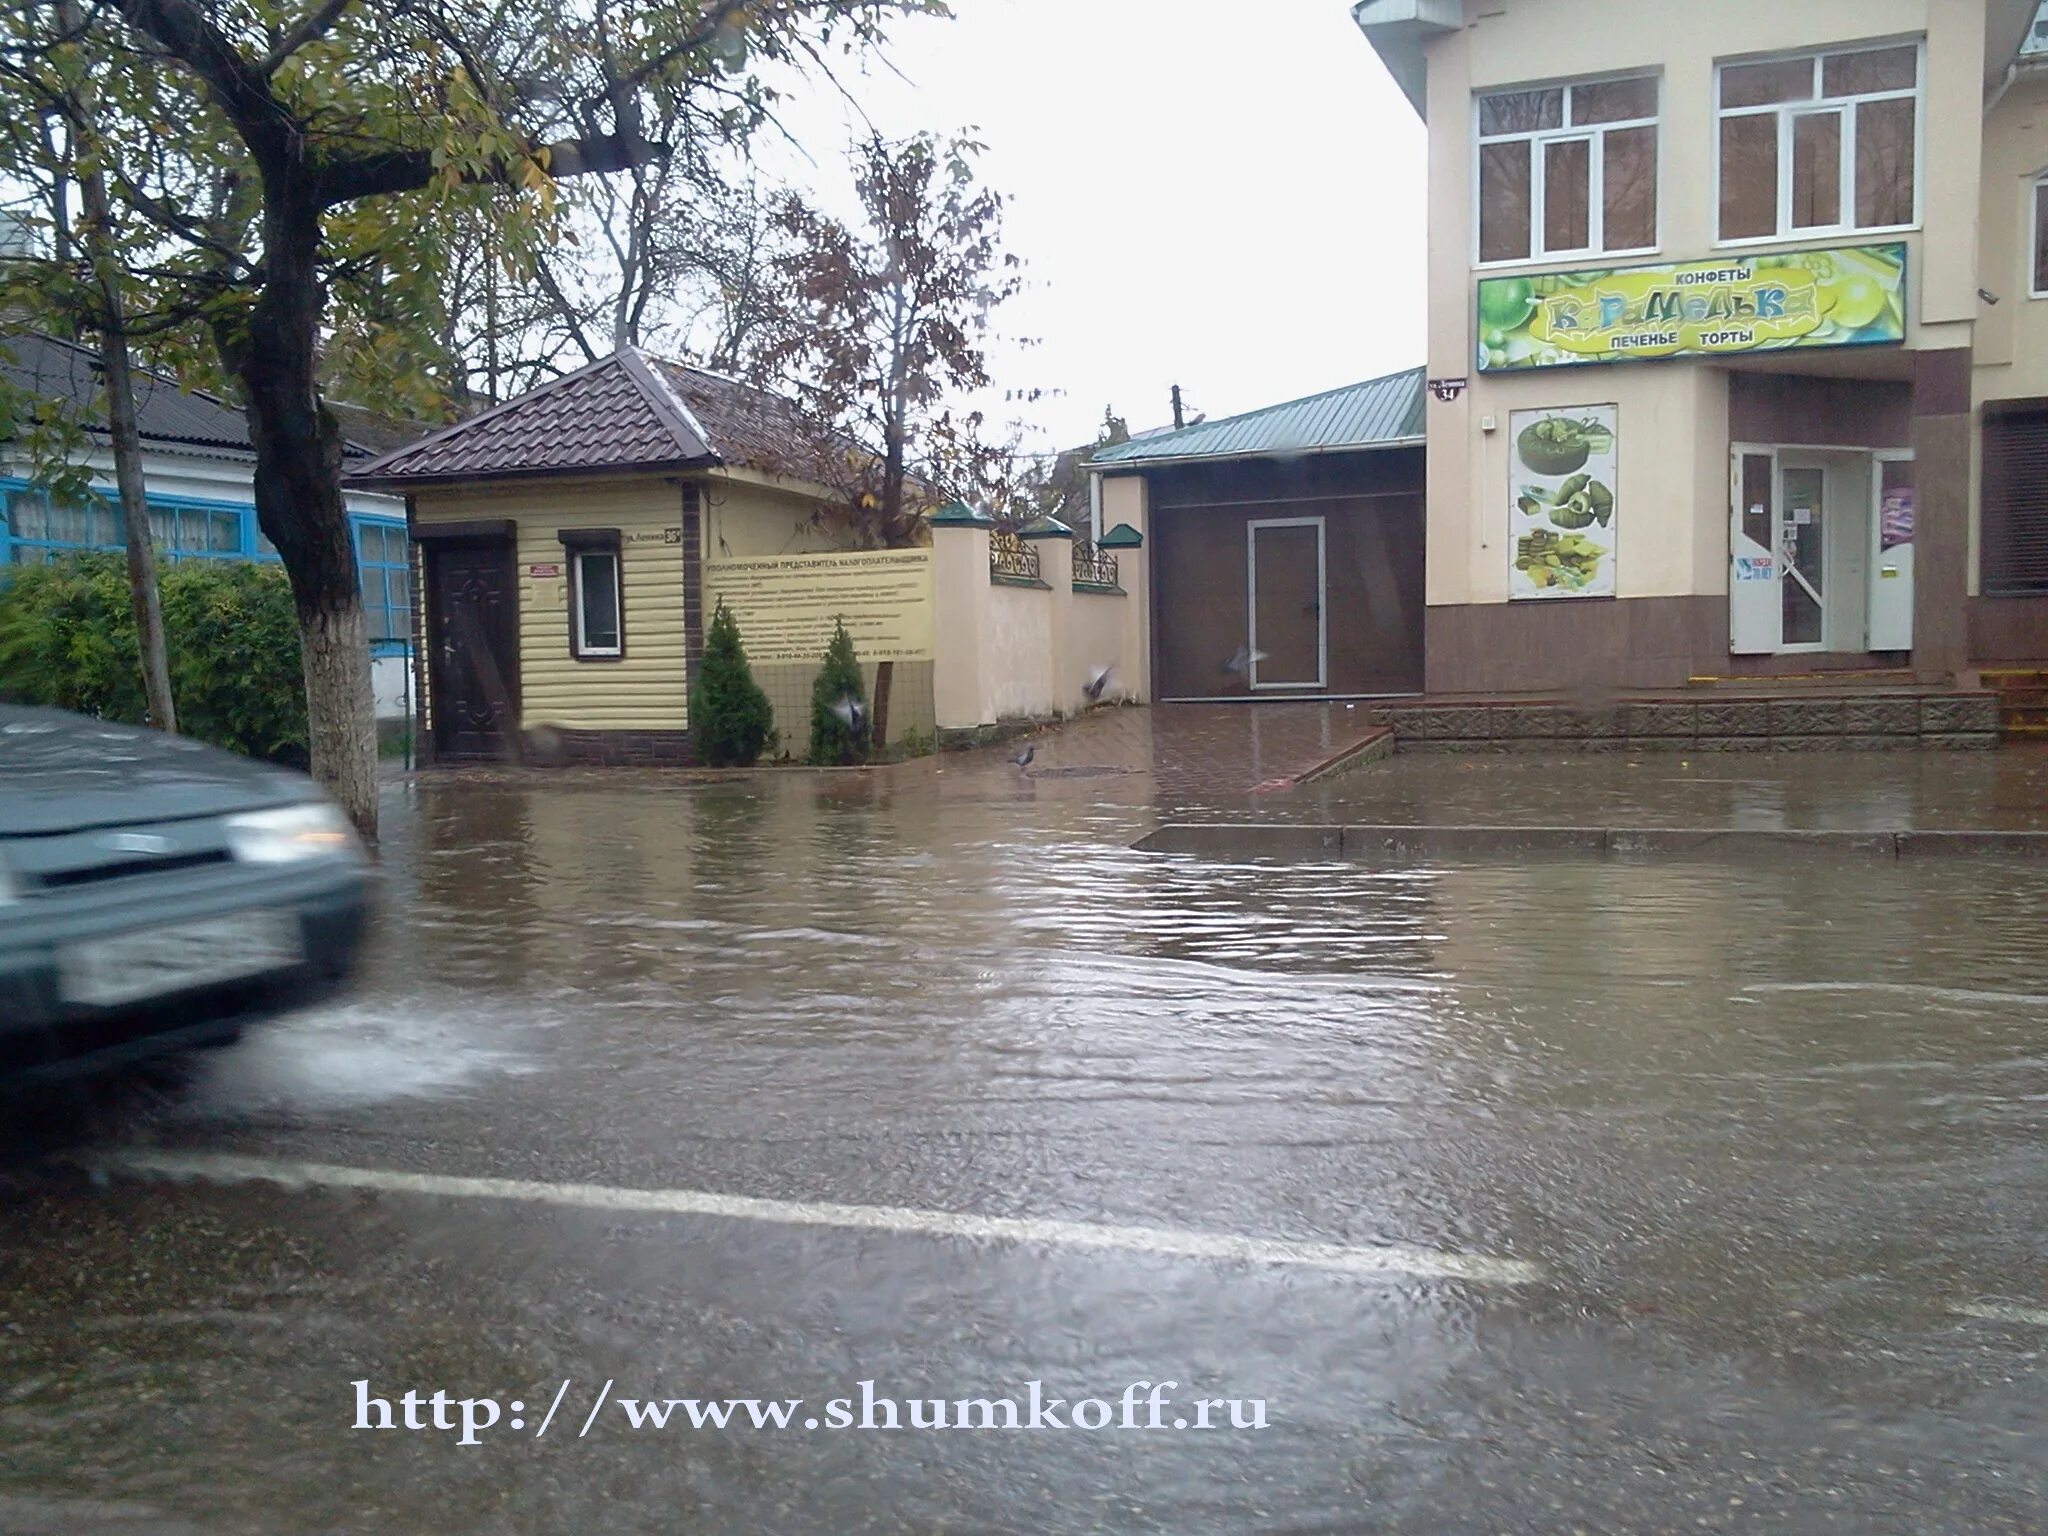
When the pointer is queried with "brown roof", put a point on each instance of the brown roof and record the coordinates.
(626, 411)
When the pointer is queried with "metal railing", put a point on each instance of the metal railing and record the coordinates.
(1012, 559)
(1094, 567)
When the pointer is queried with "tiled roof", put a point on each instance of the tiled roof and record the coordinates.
(169, 417)
(757, 428)
(1380, 413)
(627, 411)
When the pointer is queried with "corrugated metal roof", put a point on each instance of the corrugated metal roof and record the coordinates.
(1376, 414)
(53, 369)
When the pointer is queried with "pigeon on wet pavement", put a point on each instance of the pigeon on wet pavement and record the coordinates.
(1023, 759)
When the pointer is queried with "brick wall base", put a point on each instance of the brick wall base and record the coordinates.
(613, 749)
(1870, 722)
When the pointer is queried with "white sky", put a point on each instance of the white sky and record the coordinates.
(1227, 194)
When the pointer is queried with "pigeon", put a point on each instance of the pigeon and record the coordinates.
(1244, 660)
(1023, 759)
(851, 712)
(1097, 677)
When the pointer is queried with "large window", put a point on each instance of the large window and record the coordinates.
(2013, 531)
(387, 580)
(1568, 170)
(1820, 143)
(40, 530)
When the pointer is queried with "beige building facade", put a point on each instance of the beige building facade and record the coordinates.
(1738, 337)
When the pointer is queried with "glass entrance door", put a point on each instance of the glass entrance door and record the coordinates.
(1802, 556)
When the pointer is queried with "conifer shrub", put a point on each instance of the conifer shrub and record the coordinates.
(730, 717)
(834, 740)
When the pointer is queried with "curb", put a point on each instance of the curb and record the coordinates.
(1299, 840)
(1377, 746)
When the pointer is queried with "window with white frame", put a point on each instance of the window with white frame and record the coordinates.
(1568, 170)
(597, 627)
(2038, 212)
(1820, 143)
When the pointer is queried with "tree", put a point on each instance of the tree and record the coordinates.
(1055, 485)
(730, 716)
(290, 156)
(887, 328)
(57, 152)
(839, 724)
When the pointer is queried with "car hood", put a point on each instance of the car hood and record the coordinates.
(61, 772)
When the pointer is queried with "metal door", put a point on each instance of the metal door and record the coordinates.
(1891, 565)
(473, 653)
(1286, 575)
(1802, 555)
(1755, 618)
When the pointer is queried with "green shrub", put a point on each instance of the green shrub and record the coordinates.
(834, 741)
(67, 639)
(730, 717)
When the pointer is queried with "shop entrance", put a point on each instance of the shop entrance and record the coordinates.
(1821, 550)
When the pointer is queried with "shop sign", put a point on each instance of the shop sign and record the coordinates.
(1853, 296)
(543, 570)
(1562, 532)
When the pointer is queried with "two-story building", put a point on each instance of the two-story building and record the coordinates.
(1738, 336)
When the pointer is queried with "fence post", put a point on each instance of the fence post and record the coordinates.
(1128, 545)
(1126, 508)
(1054, 541)
(960, 617)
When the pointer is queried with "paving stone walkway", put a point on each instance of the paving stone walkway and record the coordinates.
(1238, 763)
(1242, 763)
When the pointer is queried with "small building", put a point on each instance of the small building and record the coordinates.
(1289, 540)
(569, 541)
(1738, 337)
(198, 466)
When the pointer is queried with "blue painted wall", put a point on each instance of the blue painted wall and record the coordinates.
(192, 528)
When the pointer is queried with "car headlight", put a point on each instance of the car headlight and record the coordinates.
(292, 834)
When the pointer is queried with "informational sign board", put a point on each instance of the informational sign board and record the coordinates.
(1853, 296)
(786, 605)
(1564, 516)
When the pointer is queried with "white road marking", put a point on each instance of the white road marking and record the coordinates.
(2002, 1313)
(1390, 1259)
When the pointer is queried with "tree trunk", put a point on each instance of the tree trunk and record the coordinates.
(878, 706)
(274, 351)
(97, 233)
(151, 647)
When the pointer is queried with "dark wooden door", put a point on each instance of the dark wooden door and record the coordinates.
(1287, 603)
(472, 628)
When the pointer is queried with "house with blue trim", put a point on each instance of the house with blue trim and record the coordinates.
(199, 467)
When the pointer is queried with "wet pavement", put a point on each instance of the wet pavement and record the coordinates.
(1565, 1195)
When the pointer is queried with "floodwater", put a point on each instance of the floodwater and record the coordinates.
(1744, 1161)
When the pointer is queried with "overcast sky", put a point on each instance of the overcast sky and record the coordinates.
(1209, 192)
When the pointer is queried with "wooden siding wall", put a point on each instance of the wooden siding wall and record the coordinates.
(646, 689)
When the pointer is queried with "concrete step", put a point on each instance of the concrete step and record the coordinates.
(1806, 682)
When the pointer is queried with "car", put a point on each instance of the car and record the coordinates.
(157, 895)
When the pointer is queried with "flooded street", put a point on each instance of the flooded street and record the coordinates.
(1623, 1196)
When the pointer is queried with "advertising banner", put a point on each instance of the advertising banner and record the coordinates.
(786, 605)
(1562, 534)
(1851, 297)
